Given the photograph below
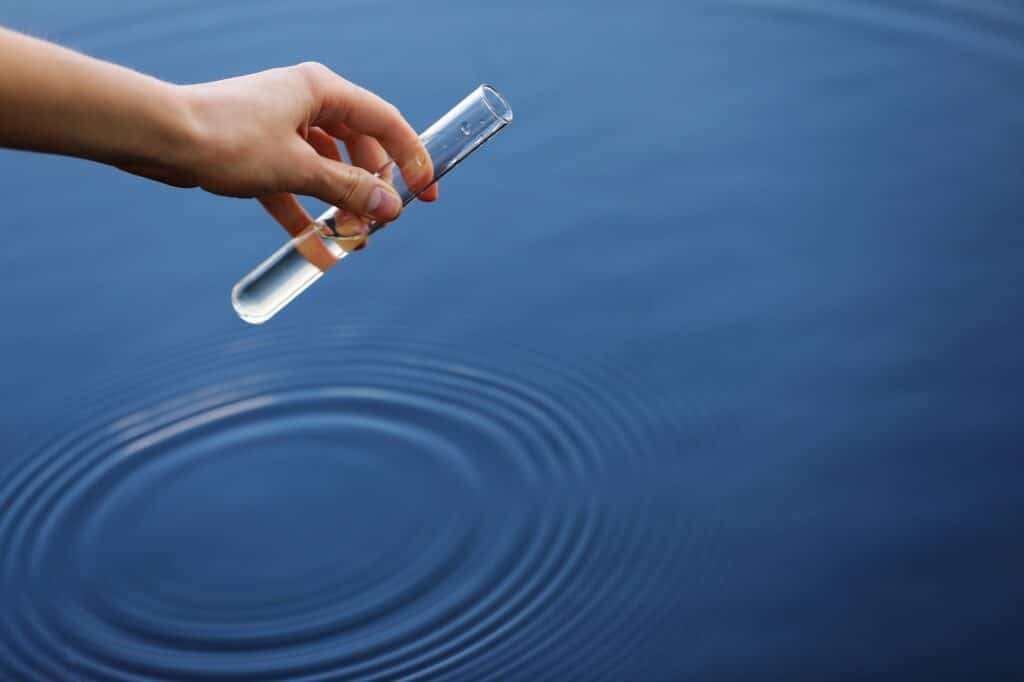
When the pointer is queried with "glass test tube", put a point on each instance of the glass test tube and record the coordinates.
(295, 266)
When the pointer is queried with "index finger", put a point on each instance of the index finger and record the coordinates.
(346, 105)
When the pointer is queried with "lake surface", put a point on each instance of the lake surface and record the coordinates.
(708, 368)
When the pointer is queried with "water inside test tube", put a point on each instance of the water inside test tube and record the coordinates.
(294, 269)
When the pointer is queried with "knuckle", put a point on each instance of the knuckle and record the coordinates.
(349, 187)
(312, 72)
(312, 68)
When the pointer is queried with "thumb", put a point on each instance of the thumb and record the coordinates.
(350, 188)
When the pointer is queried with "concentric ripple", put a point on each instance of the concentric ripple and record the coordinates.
(347, 508)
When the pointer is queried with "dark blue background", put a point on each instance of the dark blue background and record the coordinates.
(708, 368)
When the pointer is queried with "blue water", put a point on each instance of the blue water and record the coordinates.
(709, 368)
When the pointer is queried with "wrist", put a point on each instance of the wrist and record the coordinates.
(179, 134)
(152, 132)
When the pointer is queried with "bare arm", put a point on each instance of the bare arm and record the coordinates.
(268, 135)
(55, 100)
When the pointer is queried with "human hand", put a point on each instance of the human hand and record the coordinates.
(273, 134)
(268, 135)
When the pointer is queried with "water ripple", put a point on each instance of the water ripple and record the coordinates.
(985, 28)
(169, 25)
(347, 508)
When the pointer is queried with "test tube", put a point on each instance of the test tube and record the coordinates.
(276, 282)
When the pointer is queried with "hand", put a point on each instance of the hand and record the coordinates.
(267, 135)
(273, 134)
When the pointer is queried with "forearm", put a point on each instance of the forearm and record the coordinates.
(58, 101)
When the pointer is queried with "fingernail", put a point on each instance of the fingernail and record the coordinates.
(420, 163)
(384, 205)
(414, 170)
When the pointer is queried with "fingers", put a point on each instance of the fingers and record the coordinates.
(346, 106)
(430, 194)
(347, 187)
(323, 143)
(346, 223)
(366, 152)
(286, 210)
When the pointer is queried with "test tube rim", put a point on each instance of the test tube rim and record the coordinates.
(506, 109)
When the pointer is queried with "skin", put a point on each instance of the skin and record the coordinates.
(269, 135)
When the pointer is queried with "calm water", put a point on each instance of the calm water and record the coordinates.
(709, 368)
